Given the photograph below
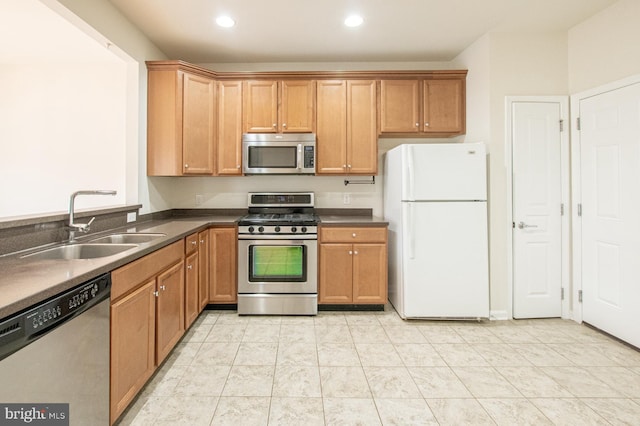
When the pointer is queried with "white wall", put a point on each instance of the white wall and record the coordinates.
(605, 48)
(56, 139)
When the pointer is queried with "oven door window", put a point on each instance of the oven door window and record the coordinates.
(281, 157)
(277, 263)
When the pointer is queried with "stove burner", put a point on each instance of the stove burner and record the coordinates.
(279, 218)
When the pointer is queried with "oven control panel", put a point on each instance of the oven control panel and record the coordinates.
(278, 229)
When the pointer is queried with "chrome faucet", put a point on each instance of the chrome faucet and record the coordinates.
(82, 227)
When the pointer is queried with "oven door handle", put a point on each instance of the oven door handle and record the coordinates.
(271, 237)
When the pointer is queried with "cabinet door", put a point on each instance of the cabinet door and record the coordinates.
(132, 345)
(443, 106)
(399, 106)
(229, 141)
(223, 265)
(260, 101)
(169, 310)
(198, 124)
(362, 140)
(335, 274)
(203, 270)
(297, 106)
(331, 135)
(191, 299)
(370, 273)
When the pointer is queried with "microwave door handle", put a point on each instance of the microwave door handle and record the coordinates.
(299, 156)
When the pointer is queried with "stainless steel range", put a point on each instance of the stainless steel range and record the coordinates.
(278, 255)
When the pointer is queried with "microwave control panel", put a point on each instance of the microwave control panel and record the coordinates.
(309, 157)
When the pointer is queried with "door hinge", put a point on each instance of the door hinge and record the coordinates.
(580, 296)
(561, 293)
(513, 225)
(561, 125)
(579, 209)
(578, 123)
(561, 209)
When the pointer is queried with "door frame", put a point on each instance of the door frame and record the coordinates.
(565, 173)
(576, 184)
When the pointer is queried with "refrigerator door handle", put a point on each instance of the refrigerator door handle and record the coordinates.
(410, 172)
(412, 238)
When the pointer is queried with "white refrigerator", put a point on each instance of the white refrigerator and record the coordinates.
(435, 200)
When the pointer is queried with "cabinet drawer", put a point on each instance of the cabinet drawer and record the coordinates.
(353, 235)
(191, 243)
(131, 275)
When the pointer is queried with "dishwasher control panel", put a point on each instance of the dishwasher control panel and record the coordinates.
(18, 330)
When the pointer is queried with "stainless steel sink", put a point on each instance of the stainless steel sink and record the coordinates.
(80, 251)
(128, 238)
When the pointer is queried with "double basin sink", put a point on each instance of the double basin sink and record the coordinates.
(104, 246)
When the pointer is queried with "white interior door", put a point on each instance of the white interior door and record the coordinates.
(610, 197)
(537, 202)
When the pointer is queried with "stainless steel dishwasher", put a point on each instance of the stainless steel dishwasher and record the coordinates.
(58, 352)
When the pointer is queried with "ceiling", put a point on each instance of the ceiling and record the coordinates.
(313, 31)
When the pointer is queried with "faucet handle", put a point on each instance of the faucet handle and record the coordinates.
(85, 228)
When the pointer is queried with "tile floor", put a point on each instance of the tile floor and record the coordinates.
(374, 368)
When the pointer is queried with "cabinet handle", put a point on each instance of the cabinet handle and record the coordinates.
(189, 266)
(353, 235)
(284, 124)
(275, 125)
(426, 124)
(156, 294)
(162, 287)
(186, 166)
(201, 241)
(417, 124)
(355, 252)
(193, 243)
(350, 252)
(237, 166)
(349, 165)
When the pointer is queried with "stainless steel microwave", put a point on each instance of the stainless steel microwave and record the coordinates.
(273, 153)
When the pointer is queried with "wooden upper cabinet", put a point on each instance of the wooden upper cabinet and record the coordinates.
(229, 140)
(443, 106)
(180, 123)
(427, 107)
(279, 106)
(347, 141)
(399, 106)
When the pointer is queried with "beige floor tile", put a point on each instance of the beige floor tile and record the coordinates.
(378, 354)
(226, 333)
(333, 334)
(330, 318)
(438, 382)
(304, 354)
(207, 317)
(306, 320)
(261, 333)
(338, 355)
(580, 382)
(368, 334)
(197, 333)
(622, 354)
(621, 379)
(568, 411)
(456, 412)
(256, 354)
(183, 354)
(582, 354)
(362, 318)
(391, 382)
(296, 412)
(265, 319)
(350, 412)
(391, 318)
(419, 355)
(460, 354)
(514, 334)
(202, 381)
(232, 318)
(165, 380)
(242, 411)
(249, 380)
(142, 412)
(400, 412)
(616, 411)
(344, 382)
(296, 381)
(514, 411)
(404, 334)
(541, 355)
(297, 333)
(486, 382)
(476, 334)
(549, 334)
(440, 334)
(191, 411)
(214, 353)
(583, 334)
(500, 354)
(532, 382)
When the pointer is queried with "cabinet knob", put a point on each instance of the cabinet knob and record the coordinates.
(275, 125)
(417, 124)
(350, 252)
(162, 287)
(237, 166)
(284, 124)
(201, 241)
(186, 166)
(353, 235)
(156, 294)
(349, 165)
(355, 252)
(426, 124)
(189, 266)
(193, 243)
(344, 166)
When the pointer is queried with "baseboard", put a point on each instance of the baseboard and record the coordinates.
(499, 316)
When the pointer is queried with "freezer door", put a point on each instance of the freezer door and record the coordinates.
(444, 172)
(445, 260)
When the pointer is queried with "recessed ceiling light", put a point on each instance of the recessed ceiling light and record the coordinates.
(353, 21)
(225, 21)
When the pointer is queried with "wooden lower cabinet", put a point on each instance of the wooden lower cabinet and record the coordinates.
(133, 334)
(223, 244)
(203, 269)
(191, 280)
(353, 266)
(169, 310)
